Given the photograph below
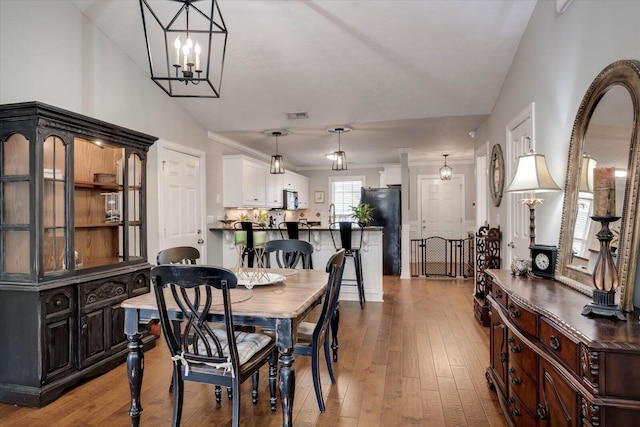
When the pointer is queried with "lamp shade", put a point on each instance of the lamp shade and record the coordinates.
(532, 174)
(586, 174)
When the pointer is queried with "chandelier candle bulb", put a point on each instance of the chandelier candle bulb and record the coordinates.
(176, 44)
(604, 192)
(240, 237)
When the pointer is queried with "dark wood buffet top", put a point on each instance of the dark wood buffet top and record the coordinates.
(563, 305)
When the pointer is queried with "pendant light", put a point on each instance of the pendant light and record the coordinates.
(445, 171)
(339, 157)
(277, 163)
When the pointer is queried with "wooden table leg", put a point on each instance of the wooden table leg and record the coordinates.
(287, 386)
(135, 365)
(285, 339)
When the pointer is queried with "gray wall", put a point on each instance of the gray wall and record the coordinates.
(50, 52)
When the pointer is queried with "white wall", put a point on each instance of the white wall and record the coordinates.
(50, 52)
(558, 57)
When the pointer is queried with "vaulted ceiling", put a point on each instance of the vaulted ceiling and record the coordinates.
(402, 74)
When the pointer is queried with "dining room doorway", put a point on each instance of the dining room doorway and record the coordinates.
(181, 185)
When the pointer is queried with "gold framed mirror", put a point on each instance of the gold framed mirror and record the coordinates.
(496, 174)
(605, 131)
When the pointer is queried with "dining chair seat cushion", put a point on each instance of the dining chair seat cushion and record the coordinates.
(248, 343)
(305, 333)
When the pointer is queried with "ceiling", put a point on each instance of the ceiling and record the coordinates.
(402, 74)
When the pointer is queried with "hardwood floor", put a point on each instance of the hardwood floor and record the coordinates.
(417, 359)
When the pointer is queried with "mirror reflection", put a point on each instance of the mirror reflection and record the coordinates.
(606, 144)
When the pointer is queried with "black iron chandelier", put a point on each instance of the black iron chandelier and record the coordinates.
(339, 157)
(186, 44)
(445, 171)
(277, 163)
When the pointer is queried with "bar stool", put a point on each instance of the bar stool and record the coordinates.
(249, 227)
(344, 229)
(293, 229)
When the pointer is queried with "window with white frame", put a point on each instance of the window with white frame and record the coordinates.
(345, 193)
(581, 231)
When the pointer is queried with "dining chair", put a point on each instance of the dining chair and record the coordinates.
(289, 253)
(343, 230)
(178, 255)
(199, 352)
(293, 230)
(314, 336)
(249, 227)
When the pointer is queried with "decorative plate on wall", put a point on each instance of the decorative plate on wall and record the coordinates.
(496, 174)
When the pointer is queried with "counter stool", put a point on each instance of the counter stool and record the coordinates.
(344, 229)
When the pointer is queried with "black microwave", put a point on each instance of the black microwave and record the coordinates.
(290, 200)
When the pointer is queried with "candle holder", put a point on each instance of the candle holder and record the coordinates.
(605, 275)
(240, 239)
(259, 245)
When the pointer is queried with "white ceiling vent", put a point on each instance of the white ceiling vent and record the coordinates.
(298, 115)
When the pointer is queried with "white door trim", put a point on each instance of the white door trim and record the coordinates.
(483, 197)
(528, 113)
(167, 145)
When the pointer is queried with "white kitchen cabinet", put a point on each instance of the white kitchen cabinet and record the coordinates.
(244, 182)
(275, 185)
(303, 192)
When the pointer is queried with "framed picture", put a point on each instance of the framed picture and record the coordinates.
(318, 196)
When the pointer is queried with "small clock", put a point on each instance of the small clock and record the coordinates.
(543, 260)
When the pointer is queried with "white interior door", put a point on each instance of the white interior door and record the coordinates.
(180, 198)
(442, 207)
(517, 143)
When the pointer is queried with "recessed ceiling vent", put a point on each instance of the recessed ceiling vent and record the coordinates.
(298, 115)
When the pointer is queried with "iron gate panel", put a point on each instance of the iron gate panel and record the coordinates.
(437, 256)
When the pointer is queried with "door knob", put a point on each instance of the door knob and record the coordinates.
(511, 245)
(200, 241)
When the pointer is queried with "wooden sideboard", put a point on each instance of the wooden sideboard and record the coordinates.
(551, 366)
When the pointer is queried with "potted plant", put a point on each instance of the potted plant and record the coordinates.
(262, 218)
(363, 213)
(244, 218)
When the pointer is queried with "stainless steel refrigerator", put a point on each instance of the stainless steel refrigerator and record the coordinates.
(386, 214)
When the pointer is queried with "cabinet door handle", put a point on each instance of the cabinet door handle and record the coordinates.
(541, 410)
(516, 412)
(498, 293)
(84, 329)
(516, 349)
(503, 356)
(514, 313)
(554, 342)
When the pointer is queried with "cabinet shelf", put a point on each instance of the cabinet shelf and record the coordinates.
(106, 224)
(97, 185)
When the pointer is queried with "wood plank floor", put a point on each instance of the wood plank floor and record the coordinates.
(417, 359)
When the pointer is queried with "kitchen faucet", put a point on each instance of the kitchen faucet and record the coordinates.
(332, 213)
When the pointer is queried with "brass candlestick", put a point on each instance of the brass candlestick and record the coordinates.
(605, 275)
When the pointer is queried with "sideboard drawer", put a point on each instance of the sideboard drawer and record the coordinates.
(499, 294)
(519, 414)
(524, 387)
(525, 320)
(559, 344)
(523, 355)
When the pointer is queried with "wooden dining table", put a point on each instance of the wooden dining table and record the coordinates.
(277, 307)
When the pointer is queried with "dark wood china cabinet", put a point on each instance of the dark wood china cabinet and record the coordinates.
(73, 246)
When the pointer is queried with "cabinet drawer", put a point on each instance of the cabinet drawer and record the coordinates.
(523, 386)
(498, 293)
(558, 344)
(519, 414)
(522, 355)
(103, 292)
(523, 318)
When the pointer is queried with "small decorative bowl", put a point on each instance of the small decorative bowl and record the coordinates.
(519, 267)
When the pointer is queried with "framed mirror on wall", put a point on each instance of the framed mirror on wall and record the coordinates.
(605, 133)
(496, 174)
